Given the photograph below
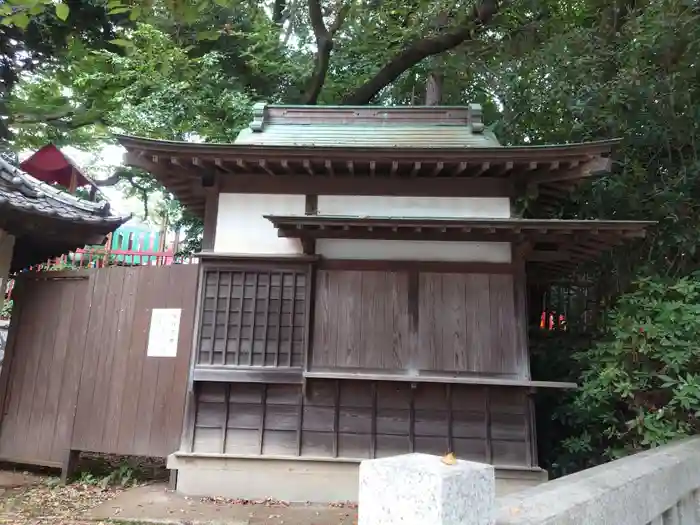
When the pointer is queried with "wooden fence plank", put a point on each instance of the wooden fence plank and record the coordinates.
(148, 383)
(103, 371)
(83, 420)
(119, 382)
(166, 376)
(70, 386)
(57, 370)
(82, 380)
(135, 360)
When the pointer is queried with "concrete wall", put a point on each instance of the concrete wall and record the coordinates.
(295, 480)
(659, 487)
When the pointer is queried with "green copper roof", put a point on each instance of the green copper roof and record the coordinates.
(368, 126)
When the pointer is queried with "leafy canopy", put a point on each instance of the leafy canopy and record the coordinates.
(641, 381)
(546, 72)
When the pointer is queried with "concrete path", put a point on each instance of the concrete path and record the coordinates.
(156, 504)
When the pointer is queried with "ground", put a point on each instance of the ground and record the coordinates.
(122, 497)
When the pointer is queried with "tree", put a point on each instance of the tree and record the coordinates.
(31, 37)
(545, 72)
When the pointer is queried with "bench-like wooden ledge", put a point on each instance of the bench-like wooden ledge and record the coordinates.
(428, 378)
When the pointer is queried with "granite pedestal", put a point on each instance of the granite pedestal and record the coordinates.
(419, 489)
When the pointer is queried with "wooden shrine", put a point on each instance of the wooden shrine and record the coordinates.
(363, 293)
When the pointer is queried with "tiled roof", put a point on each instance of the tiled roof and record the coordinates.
(26, 194)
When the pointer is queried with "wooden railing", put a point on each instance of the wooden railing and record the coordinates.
(84, 258)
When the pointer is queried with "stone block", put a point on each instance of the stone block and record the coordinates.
(419, 489)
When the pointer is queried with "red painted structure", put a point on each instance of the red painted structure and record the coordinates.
(51, 166)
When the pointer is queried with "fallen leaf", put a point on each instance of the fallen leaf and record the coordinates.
(449, 458)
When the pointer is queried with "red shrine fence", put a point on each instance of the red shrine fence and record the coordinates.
(76, 374)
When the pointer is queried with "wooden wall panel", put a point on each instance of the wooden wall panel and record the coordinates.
(41, 370)
(130, 403)
(440, 322)
(364, 419)
(76, 372)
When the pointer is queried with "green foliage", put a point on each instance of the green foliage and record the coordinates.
(123, 476)
(194, 228)
(6, 310)
(640, 383)
(546, 72)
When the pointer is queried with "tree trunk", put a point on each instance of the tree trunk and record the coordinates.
(433, 89)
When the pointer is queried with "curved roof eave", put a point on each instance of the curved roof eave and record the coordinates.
(182, 148)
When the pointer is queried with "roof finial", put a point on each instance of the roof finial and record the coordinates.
(259, 114)
(475, 121)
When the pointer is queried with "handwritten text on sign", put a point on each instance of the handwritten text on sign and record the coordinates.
(162, 337)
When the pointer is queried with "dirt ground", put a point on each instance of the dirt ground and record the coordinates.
(30, 499)
(41, 501)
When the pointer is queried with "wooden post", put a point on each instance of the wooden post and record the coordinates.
(69, 464)
(73, 185)
(108, 247)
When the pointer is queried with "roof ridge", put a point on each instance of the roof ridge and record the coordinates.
(35, 188)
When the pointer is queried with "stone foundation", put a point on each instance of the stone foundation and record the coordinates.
(296, 480)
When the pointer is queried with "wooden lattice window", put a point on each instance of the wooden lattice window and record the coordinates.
(253, 318)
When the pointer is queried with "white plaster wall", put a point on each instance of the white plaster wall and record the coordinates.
(367, 249)
(241, 227)
(472, 207)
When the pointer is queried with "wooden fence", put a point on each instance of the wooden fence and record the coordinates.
(76, 375)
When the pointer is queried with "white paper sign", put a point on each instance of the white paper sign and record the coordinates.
(162, 337)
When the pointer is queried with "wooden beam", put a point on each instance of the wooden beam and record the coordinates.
(439, 166)
(415, 187)
(285, 166)
(480, 169)
(211, 213)
(427, 377)
(394, 168)
(416, 168)
(461, 168)
(578, 171)
(307, 166)
(221, 165)
(263, 164)
(370, 265)
(408, 233)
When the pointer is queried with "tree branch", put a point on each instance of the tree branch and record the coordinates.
(125, 174)
(112, 180)
(483, 13)
(278, 11)
(67, 119)
(324, 46)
